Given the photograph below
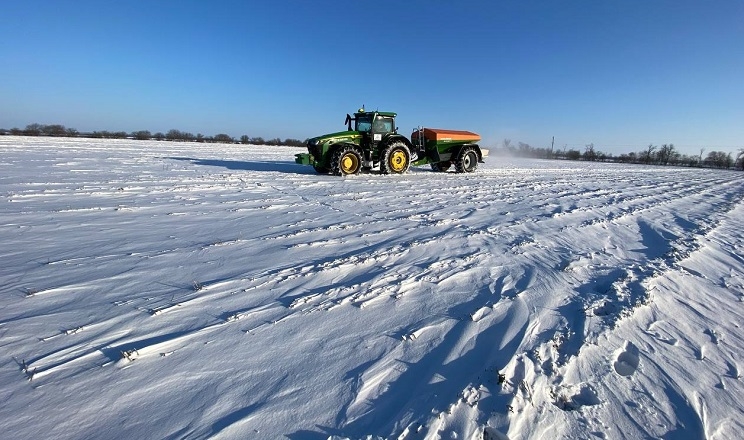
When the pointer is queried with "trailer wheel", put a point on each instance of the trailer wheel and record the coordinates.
(346, 160)
(467, 160)
(441, 167)
(396, 159)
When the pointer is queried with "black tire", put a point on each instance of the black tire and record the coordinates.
(467, 160)
(321, 170)
(396, 159)
(346, 161)
(441, 167)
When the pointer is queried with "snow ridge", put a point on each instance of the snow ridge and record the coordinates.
(196, 291)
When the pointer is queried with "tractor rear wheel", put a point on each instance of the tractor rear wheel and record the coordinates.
(441, 167)
(467, 160)
(346, 160)
(396, 159)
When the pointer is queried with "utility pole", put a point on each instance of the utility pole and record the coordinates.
(552, 144)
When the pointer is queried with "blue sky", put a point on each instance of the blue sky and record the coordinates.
(619, 74)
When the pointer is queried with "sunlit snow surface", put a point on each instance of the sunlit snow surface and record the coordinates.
(180, 290)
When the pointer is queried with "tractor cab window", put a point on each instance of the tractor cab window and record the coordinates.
(383, 125)
(363, 122)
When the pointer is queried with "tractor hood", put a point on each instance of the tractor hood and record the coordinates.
(339, 136)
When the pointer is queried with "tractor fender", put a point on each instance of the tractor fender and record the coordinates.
(332, 148)
(389, 139)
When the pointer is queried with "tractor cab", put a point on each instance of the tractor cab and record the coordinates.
(373, 126)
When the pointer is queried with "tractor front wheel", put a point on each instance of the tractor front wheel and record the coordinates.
(346, 160)
(467, 160)
(396, 159)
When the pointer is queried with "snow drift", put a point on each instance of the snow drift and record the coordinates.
(181, 290)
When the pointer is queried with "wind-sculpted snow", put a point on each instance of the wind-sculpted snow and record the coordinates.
(181, 290)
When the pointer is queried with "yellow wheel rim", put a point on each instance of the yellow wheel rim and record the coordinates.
(349, 163)
(398, 161)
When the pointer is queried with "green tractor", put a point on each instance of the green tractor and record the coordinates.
(373, 141)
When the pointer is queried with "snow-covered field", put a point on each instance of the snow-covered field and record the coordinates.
(156, 290)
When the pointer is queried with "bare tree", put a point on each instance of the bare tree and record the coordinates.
(224, 138)
(294, 142)
(666, 154)
(648, 154)
(177, 135)
(573, 154)
(719, 159)
(589, 153)
(525, 149)
(142, 135)
(33, 130)
(53, 130)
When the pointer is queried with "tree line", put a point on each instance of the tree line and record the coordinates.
(58, 130)
(665, 154)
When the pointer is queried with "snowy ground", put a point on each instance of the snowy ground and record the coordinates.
(167, 290)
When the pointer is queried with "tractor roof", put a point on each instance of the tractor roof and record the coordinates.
(389, 114)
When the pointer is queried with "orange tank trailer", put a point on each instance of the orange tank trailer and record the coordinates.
(440, 135)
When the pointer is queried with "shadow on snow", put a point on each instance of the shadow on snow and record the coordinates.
(261, 166)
